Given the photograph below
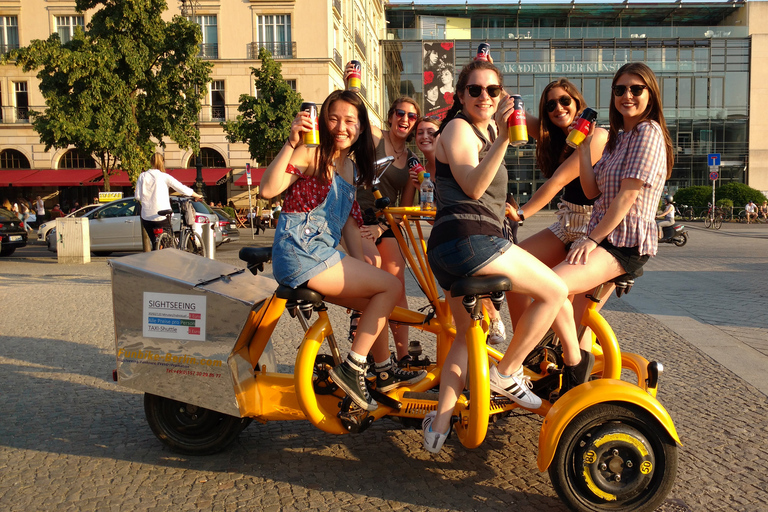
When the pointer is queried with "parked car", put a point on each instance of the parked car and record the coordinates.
(12, 232)
(116, 226)
(45, 227)
(228, 226)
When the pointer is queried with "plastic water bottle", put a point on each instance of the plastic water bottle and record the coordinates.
(427, 193)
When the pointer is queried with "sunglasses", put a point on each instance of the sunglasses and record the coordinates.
(551, 105)
(412, 116)
(636, 90)
(492, 90)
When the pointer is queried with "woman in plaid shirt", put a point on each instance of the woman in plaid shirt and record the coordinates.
(629, 178)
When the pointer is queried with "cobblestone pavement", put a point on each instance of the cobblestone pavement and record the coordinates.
(72, 440)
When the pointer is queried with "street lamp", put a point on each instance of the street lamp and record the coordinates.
(188, 9)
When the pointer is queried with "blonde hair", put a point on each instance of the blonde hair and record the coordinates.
(157, 162)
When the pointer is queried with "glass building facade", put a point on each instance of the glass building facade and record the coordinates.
(701, 62)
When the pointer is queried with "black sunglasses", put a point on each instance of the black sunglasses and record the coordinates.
(564, 100)
(492, 90)
(636, 90)
(411, 115)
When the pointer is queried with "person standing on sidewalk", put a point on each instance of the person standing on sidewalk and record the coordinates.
(152, 191)
(40, 210)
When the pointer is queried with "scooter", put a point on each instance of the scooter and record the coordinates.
(676, 234)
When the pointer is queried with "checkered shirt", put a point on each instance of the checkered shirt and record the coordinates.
(640, 154)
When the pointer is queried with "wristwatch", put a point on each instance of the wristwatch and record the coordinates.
(521, 214)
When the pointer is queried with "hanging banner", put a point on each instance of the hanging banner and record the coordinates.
(439, 76)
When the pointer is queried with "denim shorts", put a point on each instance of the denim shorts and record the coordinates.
(462, 257)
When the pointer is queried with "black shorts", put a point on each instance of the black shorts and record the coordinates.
(628, 257)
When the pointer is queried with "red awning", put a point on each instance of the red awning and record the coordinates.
(256, 175)
(58, 178)
(9, 177)
(211, 176)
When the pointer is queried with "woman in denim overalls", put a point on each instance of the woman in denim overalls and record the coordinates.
(319, 211)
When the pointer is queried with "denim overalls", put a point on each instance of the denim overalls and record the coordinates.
(305, 242)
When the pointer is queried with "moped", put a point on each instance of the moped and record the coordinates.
(608, 444)
(676, 234)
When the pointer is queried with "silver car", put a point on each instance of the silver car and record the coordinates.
(116, 226)
(45, 227)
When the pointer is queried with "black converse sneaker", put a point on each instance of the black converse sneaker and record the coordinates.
(350, 376)
(392, 376)
(577, 374)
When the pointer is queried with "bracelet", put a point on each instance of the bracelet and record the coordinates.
(288, 141)
(590, 238)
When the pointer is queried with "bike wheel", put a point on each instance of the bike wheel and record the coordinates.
(614, 456)
(717, 222)
(164, 241)
(707, 221)
(703, 214)
(188, 429)
(688, 214)
(192, 243)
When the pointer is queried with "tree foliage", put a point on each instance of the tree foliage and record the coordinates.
(738, 193)
(121, 85)
(265, 122)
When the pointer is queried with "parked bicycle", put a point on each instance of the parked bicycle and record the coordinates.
(186, 239)
(713, 217)
(684, 212)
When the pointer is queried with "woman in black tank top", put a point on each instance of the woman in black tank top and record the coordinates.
(467, 239)
(560, 105)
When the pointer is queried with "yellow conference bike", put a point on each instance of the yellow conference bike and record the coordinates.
(195, 335)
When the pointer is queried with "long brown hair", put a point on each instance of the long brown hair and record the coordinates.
(363, 150)
(551, 149)
(653, 111)
(396, 104)
(157, 162)
(461, 84)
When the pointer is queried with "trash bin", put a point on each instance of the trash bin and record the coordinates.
(73, 240)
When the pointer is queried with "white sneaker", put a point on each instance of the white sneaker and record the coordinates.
(497, 333)
(516, 387)
(433, 441)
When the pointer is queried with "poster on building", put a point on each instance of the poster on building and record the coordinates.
(438, 78)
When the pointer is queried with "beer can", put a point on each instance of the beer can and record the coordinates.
(518, 130)
(355, 75)
(483, 51)
(581, 130)
(416, 169)
(312, 137)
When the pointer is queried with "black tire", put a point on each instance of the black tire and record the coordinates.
(164, 241)
(191, 430)
(193, 243)
(703, 214)
(598, 446)
(707, 221)
(688, 214)
(7, 251)
(717, 222)
(727, 215)
(682, 241)
(102, 253)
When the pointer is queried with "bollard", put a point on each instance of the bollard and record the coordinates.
(209, 241)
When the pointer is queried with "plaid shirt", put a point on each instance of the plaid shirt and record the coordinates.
(640, 154)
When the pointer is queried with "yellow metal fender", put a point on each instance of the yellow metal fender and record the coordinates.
(586, 395)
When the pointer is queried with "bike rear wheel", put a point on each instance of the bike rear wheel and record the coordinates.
(192, 242)
(164, 241)
(717, 222)
(707, 221)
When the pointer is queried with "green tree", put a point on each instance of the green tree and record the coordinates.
(739, 193)
(127, 81)
(265, 122)
(697, 196)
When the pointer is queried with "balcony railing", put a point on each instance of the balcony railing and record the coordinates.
(218, 112)
(363, 92)
(286, 50)
(22, 114)
(337, 7)
(209, 51)
(337, 59)
(5, 48)
(360, 43)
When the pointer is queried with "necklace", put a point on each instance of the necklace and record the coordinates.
(397, 153)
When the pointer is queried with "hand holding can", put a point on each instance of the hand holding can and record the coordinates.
(483, 52)
(581, 130)
(416, 170)
(353, 76)
(518, 129)
(311, 137)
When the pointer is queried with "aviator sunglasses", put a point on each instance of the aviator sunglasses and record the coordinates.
(492, 90)
(636, 90)
(551, 105)
(412, 116)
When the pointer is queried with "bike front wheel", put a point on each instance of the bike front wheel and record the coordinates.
(192, 242)
(707, 221)
(717, 223)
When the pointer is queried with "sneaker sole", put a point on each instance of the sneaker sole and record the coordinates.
(350, 393)
(519, 401)
(413, 380)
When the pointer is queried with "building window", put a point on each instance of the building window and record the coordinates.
(274, 34)
(218, 105)
(9, 33)
(210, 158)
(12, 159)
(291, 84)
(66, 25)
(22, 101)
(209, 48)
(74, 159)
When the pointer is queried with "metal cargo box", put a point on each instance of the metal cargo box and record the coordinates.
(177, 319)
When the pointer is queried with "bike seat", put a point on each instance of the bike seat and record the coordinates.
(255, 258)
(300, 294)
(480, 285)
(165, 212)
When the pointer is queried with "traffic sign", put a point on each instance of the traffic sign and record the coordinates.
(713, 159)
(248, 174)
(714, 175)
